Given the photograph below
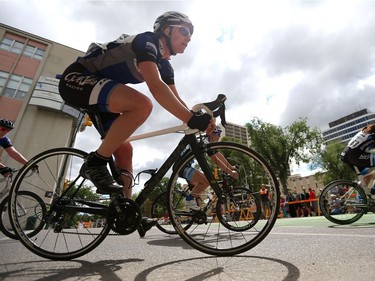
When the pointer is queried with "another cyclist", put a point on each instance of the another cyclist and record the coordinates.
(196, 179)
(98, 82)
(5, 127)
(358, 153)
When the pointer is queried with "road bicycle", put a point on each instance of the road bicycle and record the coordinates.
(30, 208)
(244, 204)
(346, 201)
(64, 237)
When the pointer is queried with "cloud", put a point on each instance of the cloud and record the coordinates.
(276, 60)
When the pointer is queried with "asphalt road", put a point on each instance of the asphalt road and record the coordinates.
(296, 249)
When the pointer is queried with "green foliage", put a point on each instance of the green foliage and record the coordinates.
(279, 146)
(333, 168)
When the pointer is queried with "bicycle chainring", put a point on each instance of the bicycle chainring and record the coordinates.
(124, 216)
(199, 217)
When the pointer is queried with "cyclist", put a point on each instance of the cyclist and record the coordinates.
(98, 82)
(196, 179)
(5, 127)
(358, 153)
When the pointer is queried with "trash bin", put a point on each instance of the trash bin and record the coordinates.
(30, 223)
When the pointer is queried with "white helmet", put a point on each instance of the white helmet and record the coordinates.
(172, 18)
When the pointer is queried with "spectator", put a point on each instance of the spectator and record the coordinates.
(314, 203)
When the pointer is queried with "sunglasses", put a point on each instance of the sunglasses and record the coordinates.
(5, 129)
(183, 30)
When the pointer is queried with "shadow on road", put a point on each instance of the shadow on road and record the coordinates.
(64, 270)
(192, 269)
(222, 268)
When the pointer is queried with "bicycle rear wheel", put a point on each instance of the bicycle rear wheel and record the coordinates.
(343, 202)
(159, 210)
(31, 210)
(71, 228)
(237, 225)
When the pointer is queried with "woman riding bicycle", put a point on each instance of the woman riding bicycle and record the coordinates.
(5, 127)
(358, 153)
(196, 179)
(98, 82)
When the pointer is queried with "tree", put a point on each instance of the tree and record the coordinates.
(297, 142)
(333, 168)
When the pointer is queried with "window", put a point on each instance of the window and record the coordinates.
(3, 78)
(18, 48)
(33, 52)
(17, 86)
(11, 46)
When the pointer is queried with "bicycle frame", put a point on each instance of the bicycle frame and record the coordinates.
(188, 139)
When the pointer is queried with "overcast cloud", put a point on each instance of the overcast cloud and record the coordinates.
(276, 60)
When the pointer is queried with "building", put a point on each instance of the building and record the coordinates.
(236, 132)
(297, 183)
(29, 92)
(345, 128)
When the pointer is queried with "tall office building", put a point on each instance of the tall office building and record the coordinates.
(29, 92)
(237, 132)
(343, 129)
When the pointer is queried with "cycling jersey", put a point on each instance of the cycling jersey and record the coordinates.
(356, 153)
(362, 141)
(88, 83)
(5, 142)
(118, 60)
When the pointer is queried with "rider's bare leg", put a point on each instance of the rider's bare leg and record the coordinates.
(123, 156)
(134, 108)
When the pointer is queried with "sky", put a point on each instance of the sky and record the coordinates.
(276, 60)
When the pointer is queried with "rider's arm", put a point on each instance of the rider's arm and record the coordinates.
(224, 165)
(175, 92)
(12, 152)
(162, 92)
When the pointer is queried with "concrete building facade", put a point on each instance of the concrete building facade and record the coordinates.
(29, 92)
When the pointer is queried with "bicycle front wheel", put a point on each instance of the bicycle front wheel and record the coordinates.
(343, 202)
(74, 221)
(230, 221)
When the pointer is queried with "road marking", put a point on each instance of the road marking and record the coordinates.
(323, 234)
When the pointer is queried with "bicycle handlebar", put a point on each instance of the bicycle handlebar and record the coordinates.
(214, 108)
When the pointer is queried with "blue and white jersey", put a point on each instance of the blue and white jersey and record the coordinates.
(5, 142)
(362, 141)
(118, 60)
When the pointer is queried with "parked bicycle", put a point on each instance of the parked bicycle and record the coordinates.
(345, 201)
(61, 186)
(30, 207)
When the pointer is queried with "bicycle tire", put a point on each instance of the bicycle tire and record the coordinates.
(208, 234)
(35, 205)
(249, 204)
(63, 237)
(343, 202)
(159, 210)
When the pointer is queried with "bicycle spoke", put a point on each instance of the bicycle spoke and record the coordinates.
(230, 222)
(68, 226)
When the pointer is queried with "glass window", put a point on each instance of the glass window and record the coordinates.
(29, 51)
(6, 44)
(17, 47)
(17, 86)
(33, 52)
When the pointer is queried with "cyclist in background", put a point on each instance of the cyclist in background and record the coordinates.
(98, 82)
(5, 127)
(358, 153)
(196, 179)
